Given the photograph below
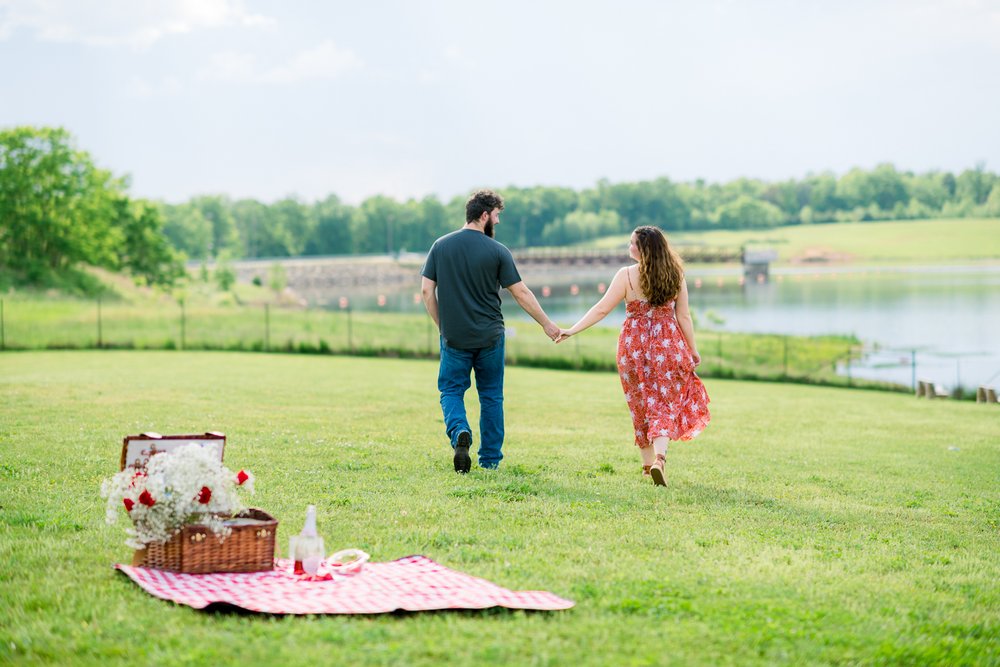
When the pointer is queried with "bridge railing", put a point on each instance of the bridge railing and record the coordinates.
(694, 253)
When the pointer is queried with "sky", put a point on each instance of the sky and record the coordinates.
(266, 100)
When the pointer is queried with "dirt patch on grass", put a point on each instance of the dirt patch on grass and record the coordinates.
(822, 255)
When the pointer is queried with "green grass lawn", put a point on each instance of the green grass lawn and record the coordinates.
(807, 525)
(904, 241)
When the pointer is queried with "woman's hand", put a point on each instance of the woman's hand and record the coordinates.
(563, 335)
(696, 357)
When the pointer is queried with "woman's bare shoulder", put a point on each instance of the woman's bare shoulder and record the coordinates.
(620, 273)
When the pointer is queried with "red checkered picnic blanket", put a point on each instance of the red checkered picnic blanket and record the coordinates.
(414, 583)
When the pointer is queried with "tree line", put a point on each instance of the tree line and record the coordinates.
(58, 209)
(205, 226)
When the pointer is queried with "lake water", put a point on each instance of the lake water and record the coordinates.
(947, 318)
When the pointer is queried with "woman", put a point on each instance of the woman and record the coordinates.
(657, 354)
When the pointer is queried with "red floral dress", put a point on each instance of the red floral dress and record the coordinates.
(664, 395)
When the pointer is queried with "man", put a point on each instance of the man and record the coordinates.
(461, 285)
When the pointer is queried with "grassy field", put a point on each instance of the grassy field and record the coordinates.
(806, 526)
(907, 241)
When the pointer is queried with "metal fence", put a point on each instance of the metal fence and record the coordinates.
(173, 325)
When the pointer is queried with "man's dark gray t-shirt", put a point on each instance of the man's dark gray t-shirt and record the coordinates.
(469, 269)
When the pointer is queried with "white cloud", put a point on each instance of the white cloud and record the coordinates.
(457, 55)
(429, 76)
(135, 23)
(230, 66)
(959, 21)
(324, 62)
(167, 87)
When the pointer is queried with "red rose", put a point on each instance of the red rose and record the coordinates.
(129, 504)
(136, 477)
(205, 495)
(241, 477)
(146, 499)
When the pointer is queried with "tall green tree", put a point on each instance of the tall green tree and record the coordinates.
(145, 251)
(877, 192)
(377, 225)
(56, 207)
(251, 219)
(333, 233)
(930, 190)
(217, 209)
(296, 223)
(789, 196)
(579, 226)
(992, 206)
(974, 185)
(747, 213)
(429, 220)
(188, 230)
(823, 199)
(527, 211)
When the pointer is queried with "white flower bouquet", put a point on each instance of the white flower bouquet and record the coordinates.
(185, 486)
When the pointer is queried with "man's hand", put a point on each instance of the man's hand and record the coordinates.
(552, 330)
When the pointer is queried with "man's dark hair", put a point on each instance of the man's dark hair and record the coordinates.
(482, 201)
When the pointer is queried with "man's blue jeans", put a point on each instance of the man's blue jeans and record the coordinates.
(454, 380)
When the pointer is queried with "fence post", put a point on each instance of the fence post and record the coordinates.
(785, 375)
(100, 342)
(718, 346)
(267, 327)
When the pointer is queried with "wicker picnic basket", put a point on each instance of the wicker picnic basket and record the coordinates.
(195, 549)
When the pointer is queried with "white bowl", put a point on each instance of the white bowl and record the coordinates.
(348, 561)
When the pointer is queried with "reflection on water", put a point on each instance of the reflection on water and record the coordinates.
(947, 319)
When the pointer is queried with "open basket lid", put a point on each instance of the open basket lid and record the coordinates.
(136, 449)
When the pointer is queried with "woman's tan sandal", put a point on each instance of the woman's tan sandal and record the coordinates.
(656, 471)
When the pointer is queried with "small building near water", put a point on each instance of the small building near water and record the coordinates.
(757, 263)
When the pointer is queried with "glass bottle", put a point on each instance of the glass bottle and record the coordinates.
(307, 547)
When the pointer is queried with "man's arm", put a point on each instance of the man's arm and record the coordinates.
(427, 291)
(526, 299)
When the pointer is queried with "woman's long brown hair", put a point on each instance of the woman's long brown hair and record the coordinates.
(660, 267)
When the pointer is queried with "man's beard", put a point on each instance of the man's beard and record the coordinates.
(488, 228)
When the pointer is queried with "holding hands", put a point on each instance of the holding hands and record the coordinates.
(555, 333)
(552, 330)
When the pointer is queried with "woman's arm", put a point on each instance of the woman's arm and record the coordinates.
(684, 319)
(600, 310)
